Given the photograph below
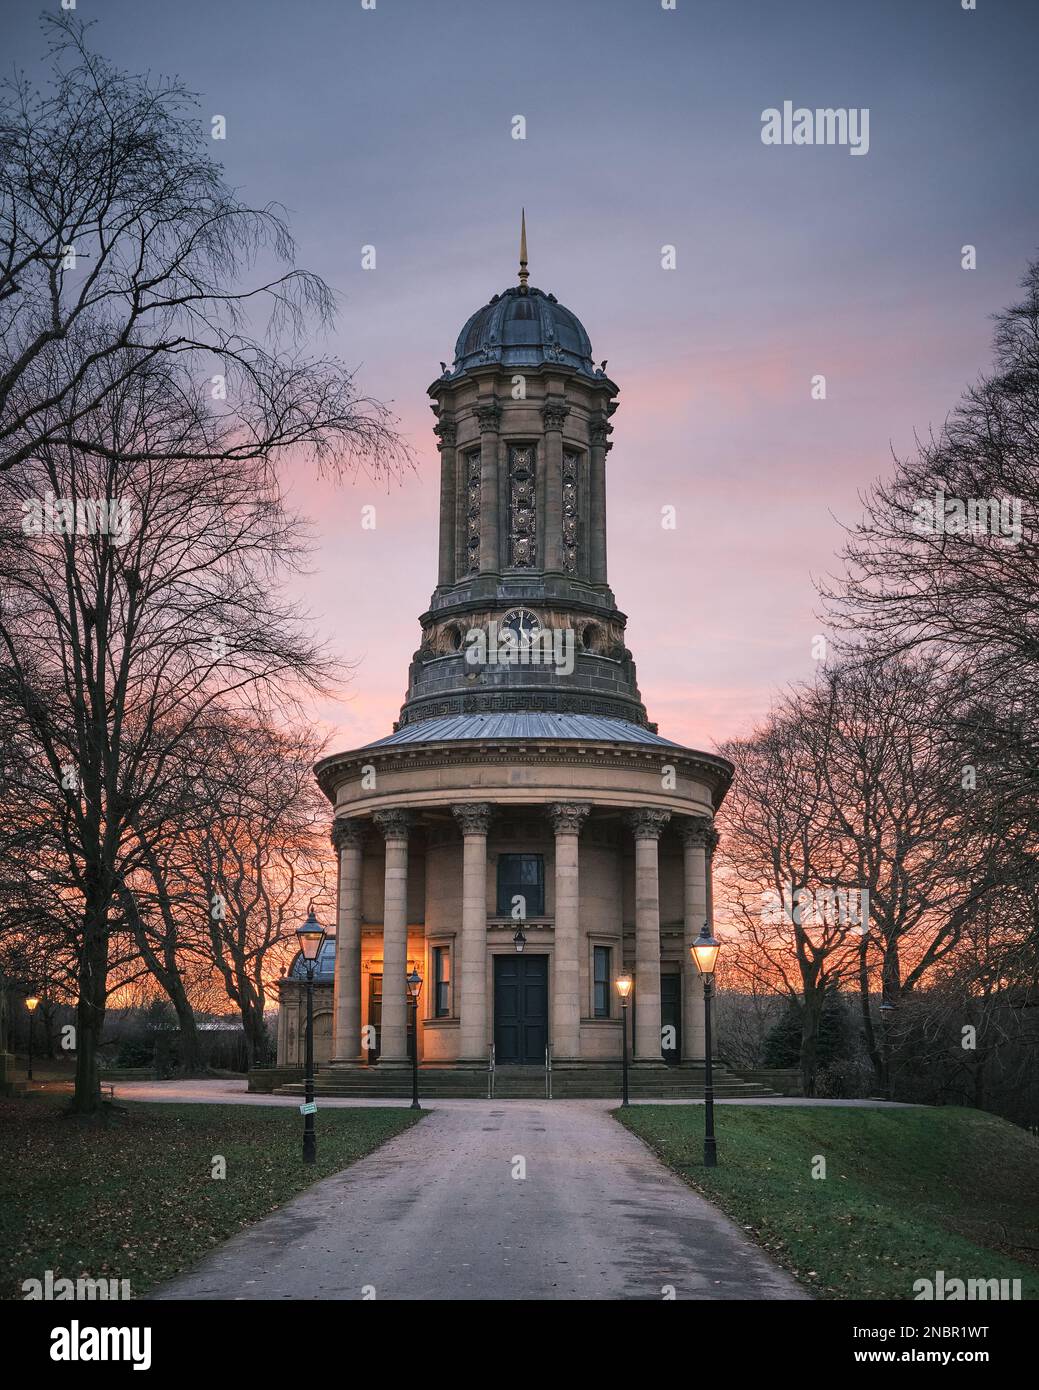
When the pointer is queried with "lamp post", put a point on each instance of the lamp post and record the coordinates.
(624, 989)
(310, 936)
(704, 951)
(31, 1004)
(414, 990)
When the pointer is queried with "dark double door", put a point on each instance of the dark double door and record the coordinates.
(520, 1009)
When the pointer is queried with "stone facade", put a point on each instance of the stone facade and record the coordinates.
(518, 797)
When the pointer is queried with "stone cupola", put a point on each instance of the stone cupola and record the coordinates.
(523, 424)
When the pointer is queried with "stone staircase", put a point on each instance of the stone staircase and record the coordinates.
(569, 1082)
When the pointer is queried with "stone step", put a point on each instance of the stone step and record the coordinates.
(528, 1083)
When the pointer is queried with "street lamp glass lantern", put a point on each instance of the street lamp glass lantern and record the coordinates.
(704, 951)
(624, 983)
(310, 936)
(415, 984)
(31, 1003)
(519, 941)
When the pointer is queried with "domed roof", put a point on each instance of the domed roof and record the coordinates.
(324, 966)
(524, 327)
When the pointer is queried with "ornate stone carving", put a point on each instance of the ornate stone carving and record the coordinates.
(474, 817)
(647, 823)
(554, 413)
(571, 473)
(522, 507)
(348, 834)
(489, 416)
(697, 831)
(472, 509)
(394, 824)
(567, 817)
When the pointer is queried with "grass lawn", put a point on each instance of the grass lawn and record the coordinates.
(906, 1192)
(135, 1199)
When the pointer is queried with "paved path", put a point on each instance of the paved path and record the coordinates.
(437, 1214)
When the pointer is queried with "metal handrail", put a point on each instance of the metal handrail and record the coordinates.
(548, 1071)
(490, 1073)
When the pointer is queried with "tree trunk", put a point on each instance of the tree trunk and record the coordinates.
(90, 1014)
(257, 1044)
(876, 1057)
(192, 1062)
(810, 1015)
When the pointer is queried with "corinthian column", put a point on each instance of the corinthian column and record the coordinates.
(554, 413)
(697, 835)
(647, 826)
(446, 432)
(489, 417)
(600, 444)
(567, 819)
(393, 1042)
(474, 819)
(348, 839)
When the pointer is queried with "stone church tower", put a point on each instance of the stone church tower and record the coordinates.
(525, 833)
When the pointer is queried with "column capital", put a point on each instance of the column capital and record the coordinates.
(394, 824)
(554, 412)
(348, 834)
(446, 432)
(488, 414)
(699, 833)
(600, 430)
(474, 817)
(647, 823)
(567, 817)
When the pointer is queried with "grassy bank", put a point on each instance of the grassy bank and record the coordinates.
(906, 1192)
(136, 1199)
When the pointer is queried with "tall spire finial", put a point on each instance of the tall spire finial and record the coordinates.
(524, 273)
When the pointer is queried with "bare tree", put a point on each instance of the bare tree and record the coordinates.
(144, 404)
(123, 627)
(260, 857)
(946, 558)
(784, 866)
(119, 235)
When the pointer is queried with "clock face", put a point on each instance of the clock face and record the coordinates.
(523, 624)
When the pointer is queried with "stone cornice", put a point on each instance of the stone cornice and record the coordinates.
(717, 772)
